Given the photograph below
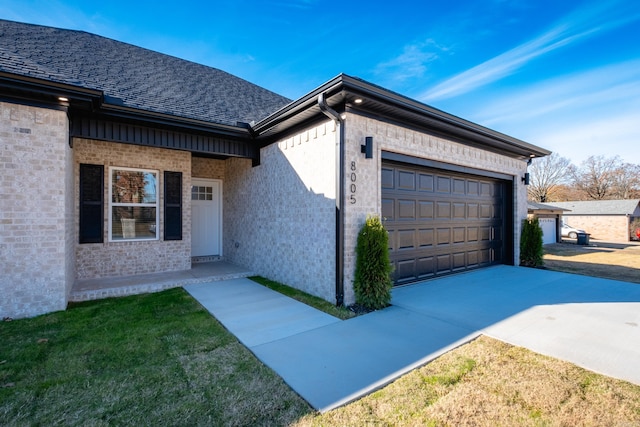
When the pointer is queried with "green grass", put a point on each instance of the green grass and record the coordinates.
(311, 300)
(155, 359)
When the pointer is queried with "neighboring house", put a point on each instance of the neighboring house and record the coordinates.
(117, 161)
(602, 219)
(549, 218)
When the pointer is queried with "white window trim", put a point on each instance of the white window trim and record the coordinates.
(149, 205)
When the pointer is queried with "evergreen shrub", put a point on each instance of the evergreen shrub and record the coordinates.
(372, 284)
(531, 251)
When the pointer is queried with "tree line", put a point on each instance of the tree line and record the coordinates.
(555, 179)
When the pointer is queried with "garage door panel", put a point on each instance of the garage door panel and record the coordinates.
(444, 221)
(459, 235)
(425, 209)
(459, 261)
(425, 182)
(443, 210)
(443, 264)
(472, 234)
(459, 186)
(426, 237)
(473, 187)
(407, 210)
(405, 270)
(406, 239)
(387, 177)
(426, 268)
(473, 258)
(406, 180)
(459, 210)
(443, 236)
(388, 209)
(473, 211)
(486, 211)
(443, 184)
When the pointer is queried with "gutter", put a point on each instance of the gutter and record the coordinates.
(340, 156)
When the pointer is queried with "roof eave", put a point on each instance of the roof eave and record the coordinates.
(344, 89)
(94, 101)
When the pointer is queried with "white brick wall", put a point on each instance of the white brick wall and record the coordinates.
(94, 260)
(35, 214)
(279, 217)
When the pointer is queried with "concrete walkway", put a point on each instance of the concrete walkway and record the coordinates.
(591, 322)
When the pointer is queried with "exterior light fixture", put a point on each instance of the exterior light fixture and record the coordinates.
(358, 100)
(526, 178)
(367, 147)
(63, 99)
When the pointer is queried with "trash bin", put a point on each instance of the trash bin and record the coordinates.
(583, 239)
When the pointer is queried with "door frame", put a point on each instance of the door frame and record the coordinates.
(208, 182)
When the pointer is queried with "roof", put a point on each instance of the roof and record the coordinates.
(132, 76)
(602, 207)
(534, 206)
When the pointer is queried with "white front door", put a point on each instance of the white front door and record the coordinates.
(206, 217)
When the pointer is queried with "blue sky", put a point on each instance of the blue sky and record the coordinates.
(564, 75)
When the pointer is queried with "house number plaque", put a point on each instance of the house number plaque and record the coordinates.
(353, 177)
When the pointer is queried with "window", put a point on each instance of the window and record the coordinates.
(133, 204)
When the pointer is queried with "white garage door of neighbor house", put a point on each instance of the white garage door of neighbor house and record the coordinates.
(206, 217)
(548, 226)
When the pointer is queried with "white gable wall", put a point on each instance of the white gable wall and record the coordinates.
(279, 217)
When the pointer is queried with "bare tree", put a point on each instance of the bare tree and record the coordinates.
(547, 173)
(626, 182)
(595, 176)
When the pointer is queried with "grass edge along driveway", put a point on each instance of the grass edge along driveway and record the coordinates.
(161, 359)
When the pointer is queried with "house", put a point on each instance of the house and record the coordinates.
(549, 218)
(603, 219)
(117, 160)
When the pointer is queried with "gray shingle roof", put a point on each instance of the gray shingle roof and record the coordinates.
(133, 76)
(601, 207)
(534, 206)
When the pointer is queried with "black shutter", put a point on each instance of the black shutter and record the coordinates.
(91, 203)
(172, 205)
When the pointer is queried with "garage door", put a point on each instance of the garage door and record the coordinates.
(441, 222)
(548, 226)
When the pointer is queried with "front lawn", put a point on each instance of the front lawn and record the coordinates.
(155, 359)
(161, 359)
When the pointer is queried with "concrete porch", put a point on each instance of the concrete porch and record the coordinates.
(92, 289)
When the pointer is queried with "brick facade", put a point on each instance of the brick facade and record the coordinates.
(279, 217)
(601, 227)
(207, 168)
(108, 259)
(36, 216)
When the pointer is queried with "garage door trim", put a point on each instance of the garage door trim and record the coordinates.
(417, 161)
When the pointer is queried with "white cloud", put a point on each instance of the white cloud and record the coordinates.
(412, 62)
(595, 112)
(584, 23)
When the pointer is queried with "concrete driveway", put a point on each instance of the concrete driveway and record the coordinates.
(591, 322)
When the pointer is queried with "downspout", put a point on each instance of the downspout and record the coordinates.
(340, 156)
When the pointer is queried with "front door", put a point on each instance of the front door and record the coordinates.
(206, 217)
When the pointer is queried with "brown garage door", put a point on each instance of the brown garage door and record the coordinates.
(441, 222)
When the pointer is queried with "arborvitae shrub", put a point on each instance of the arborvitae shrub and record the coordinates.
(372, 284)
(531, 244)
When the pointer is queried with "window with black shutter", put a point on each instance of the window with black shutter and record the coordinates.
(91, 203)
(172, 205)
